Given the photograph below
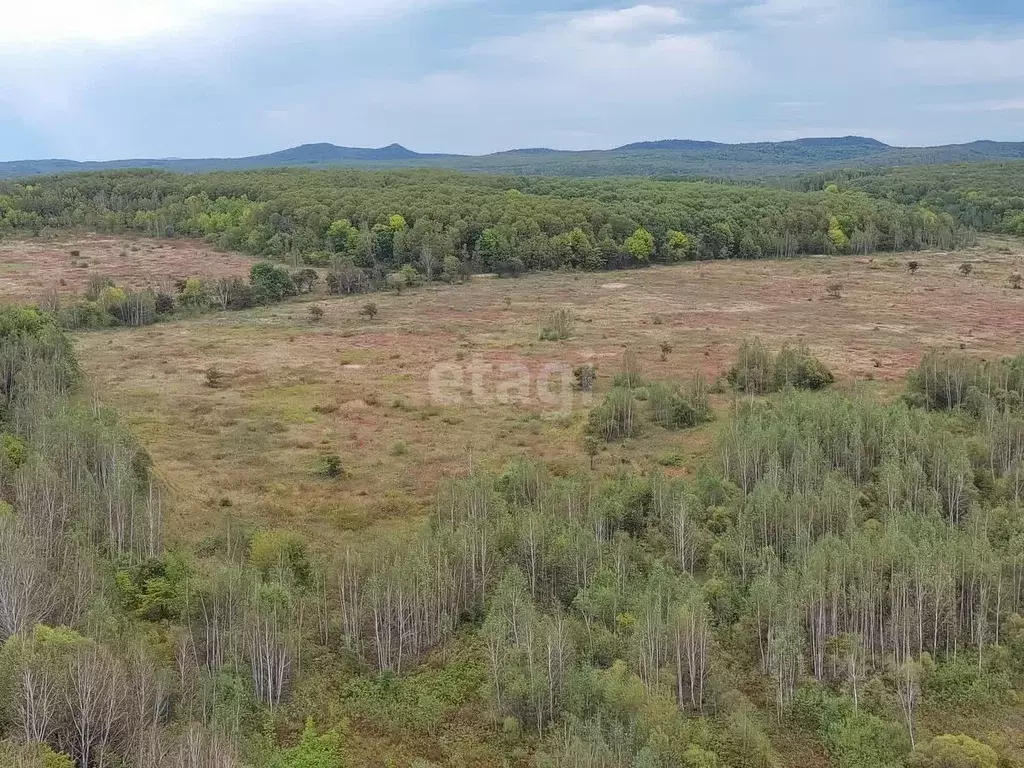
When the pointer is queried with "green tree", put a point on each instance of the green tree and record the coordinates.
(837, 236)
(640, 245)
(270, 283)
(679, 245)
(343, 236)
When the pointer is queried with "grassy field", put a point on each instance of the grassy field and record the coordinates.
(289, 391)
(30, 268)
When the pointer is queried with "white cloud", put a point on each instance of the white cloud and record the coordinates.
(959, 62)
(799, 12)
(639, 50)
(607, 23)
(52, 23)
(994, 105)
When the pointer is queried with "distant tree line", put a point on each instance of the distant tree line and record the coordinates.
(444, 224)
(985, 196)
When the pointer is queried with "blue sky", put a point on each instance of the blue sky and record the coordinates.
(103, 79)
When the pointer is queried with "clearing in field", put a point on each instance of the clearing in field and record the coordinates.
(240, 410)
(31, 268)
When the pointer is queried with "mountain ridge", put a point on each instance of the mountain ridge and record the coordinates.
(656, 157)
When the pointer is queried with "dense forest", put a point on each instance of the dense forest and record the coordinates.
(844, 569)
(987, 197)
(438, 221)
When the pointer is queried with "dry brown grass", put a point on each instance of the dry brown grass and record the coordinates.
(293, 390)
(30, 268)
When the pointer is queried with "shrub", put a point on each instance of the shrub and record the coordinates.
(753, 372)
(136, 308)
(395, 282)
(1016, 281)
(312, 751)
(913, 266)
(584, 377)
(305, 279)
(270, 283)
(13, 451)
(854, 739)
(666, 350)
(163, 304)
(948, 379)
(87, 314)
(615, 418)
(316, 313)
(631, 376)
(966, 268)
(347, 280)
(193, 294)
(758, 372)
(278, 551)
(960, 685)
(950, 751)
(673, 408)
(234, 293)
(559, 326)
(409, 275)
(369, 310)
(97, 284)
(330, 466)
(32, 755)
(451, 268)
(834, 290)
(214, 378)
(798, 368)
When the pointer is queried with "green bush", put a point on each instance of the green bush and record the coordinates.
(278, 551)
(673, 407)
(961, 685)
(13, 451)
(854, 739)
(312, 751)
(84, 315)
(797, 367)
(758, 371)
(418, 703)
(270, 283)
(559, 325)
(950, 751)
(754, 370)
(32, 755)
(616, 417)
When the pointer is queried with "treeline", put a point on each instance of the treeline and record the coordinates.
(986, 196)
(441, 222)
(106, 304)
(837, 563)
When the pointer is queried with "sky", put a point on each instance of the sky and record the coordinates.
(107, 79)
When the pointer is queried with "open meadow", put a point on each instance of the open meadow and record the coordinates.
(65, 264)
(238, 410)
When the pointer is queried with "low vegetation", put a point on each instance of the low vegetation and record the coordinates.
(759, 371)
(837, 565)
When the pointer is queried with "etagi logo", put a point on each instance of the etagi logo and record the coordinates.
(555, 386)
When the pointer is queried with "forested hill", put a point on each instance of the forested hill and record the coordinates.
(651, 158)
(383, 220)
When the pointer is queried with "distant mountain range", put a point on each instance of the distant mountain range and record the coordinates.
(646, 158)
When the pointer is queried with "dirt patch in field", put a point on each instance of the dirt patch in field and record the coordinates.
(30, 268)
(295, 391)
